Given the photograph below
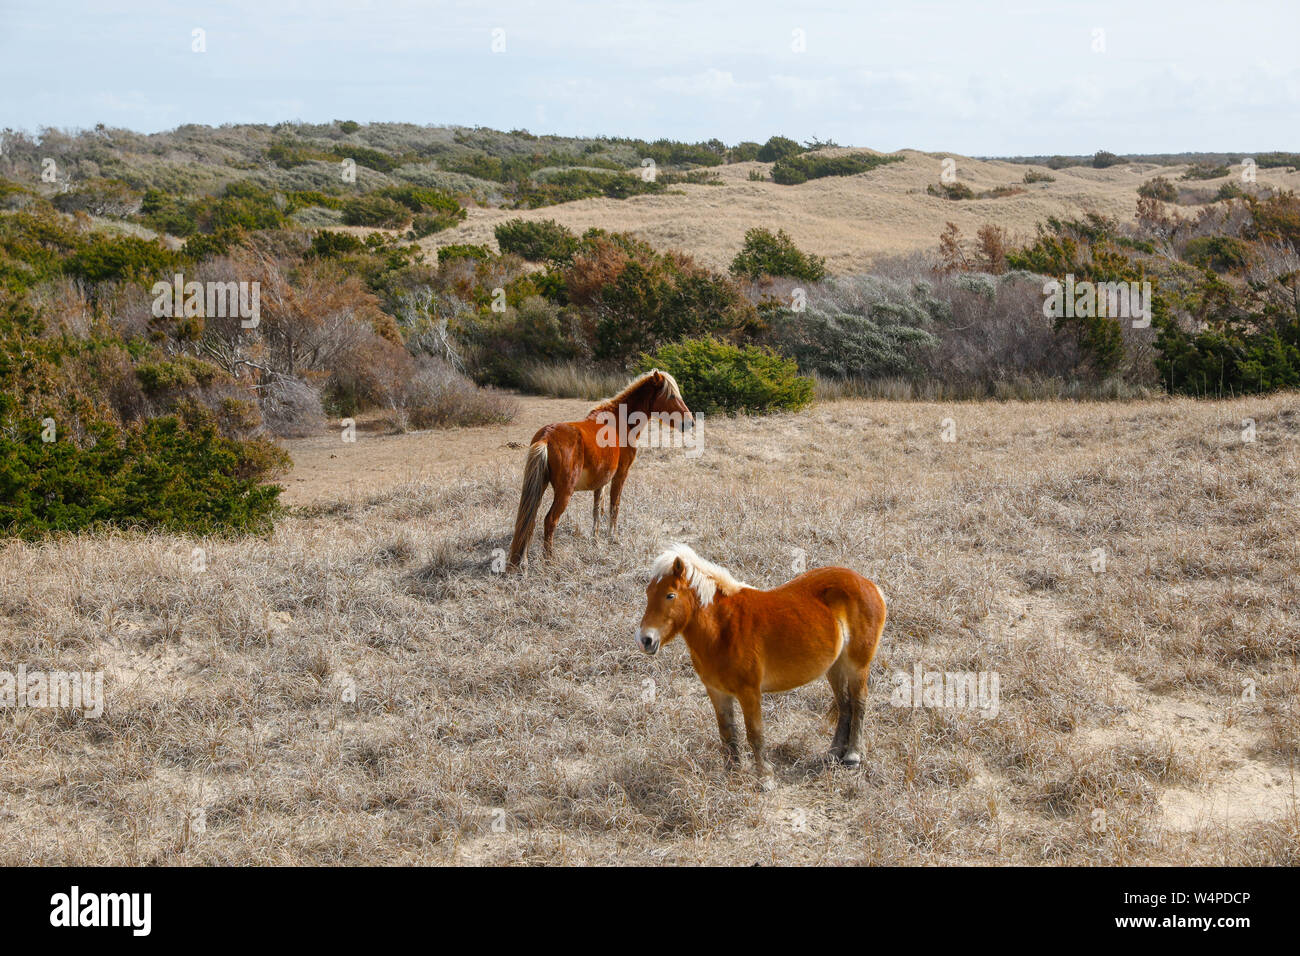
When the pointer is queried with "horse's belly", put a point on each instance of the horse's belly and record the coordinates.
(779, 681)
(791, 663)
(592, 478)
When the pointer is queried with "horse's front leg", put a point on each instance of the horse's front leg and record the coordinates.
(751, 702)
(616, 488)
(724, 705)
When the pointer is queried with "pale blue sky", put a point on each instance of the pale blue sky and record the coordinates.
(976, 78)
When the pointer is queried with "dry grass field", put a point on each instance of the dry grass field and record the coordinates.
(854, 220)
(1147, 712)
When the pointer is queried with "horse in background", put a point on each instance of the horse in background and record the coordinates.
(745, 642)
(592, 453)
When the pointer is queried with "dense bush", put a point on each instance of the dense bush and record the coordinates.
(500, 345)
(462, 250)
(1206, 171)
(636, 298)
(378, 211)
(1090, 251)
(1220, 253)
(765, 254)
(778, 148)
(793, 170)
(156, 474)
(716, 376)
(1235, 340)
(1159, 188)
(572, 184)
(951, 190)
(241, 206)
(543, 240)
(860, 328)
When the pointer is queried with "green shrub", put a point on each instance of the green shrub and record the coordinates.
(1206, 171)
(463, 250)
(951, 190)
(544, 240)
(1220, 253)
(1243, 340)
(1159, 188)
(378, 211)
(573, 184)
(156, 474)
(865, 327)
(502, 344)
(639, 299)
(1277, 160)
(328, 244)
(1103, 159)
(1229, 190)
(765, 254)
(1034, 176)
(793, 170)
(241, 205)
(105, 258)
(778, 148)
(716, 376)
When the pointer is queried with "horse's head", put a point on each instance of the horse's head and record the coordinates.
(669, 604)
(666, 400)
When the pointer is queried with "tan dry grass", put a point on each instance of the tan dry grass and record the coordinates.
(482, 697)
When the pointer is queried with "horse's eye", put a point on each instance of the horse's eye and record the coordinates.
(670, 595)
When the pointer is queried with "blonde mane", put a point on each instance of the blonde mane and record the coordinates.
(704, 577)
(669, 389)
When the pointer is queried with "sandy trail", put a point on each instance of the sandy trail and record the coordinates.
(326, 468)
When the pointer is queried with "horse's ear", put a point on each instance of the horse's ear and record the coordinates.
(679, 568)
(657, 375)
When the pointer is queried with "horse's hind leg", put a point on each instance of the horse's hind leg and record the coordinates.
(867, 624)
(595, 513)
(843, 706)
(856, 688)
(563, 486)
(724, 705)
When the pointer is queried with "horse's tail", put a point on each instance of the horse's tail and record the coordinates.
(537, 475)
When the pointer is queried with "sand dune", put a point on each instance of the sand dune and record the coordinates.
(851, 220)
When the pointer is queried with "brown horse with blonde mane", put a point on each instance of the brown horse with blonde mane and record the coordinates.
(593, 453)
(745, 642)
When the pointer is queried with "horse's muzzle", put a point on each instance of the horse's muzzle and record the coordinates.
(648, 641)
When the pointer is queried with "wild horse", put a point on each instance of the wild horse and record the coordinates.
(592, 453)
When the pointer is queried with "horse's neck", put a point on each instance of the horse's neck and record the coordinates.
(638, 401)
(706, 628)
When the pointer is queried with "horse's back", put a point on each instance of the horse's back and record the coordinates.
(576, 451)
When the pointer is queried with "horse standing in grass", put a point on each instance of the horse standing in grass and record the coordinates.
(745, 642)
(592, 453)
